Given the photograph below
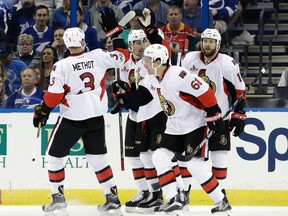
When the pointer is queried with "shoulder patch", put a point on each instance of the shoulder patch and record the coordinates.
(182, 74)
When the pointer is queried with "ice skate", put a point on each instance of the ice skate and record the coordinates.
(112, 206)
(186, 200)
(173, 207)
(57, 207)
(222, 208)
(131, 205)
(147, 206)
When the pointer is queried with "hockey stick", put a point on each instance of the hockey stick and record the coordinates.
(179, 54)
(120, 128)
(127, 18)
(210, 133)
(36, 142)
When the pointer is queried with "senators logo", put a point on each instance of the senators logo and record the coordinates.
(167, 106)
(209, 82)
(132, 78)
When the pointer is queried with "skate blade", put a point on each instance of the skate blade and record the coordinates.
(60, 212)
(112, 212)
(176, 213)
(226, 213)
(145, 210)
(130, 209)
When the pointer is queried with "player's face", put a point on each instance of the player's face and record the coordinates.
(209, 47)
(148, 64)
(138, 48)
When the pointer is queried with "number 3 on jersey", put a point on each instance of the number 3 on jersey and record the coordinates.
(89, 81)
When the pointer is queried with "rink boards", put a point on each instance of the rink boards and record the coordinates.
(257, 174)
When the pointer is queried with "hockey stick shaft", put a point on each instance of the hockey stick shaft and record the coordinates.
(210, 133)
(36, 142)
(185, 50)
(120, 123)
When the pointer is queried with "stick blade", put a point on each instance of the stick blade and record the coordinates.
(127, 18)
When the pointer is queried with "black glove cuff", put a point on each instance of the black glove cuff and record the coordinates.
(118, 42)
(212, 111)
(45, 109)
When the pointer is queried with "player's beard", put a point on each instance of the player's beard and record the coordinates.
(209, 53)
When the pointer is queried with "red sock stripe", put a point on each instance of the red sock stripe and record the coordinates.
(138, 173)
(210, 184)
(104, 174)
(151, 173)
(56, 176)
(167, 178)
(219, 173)
(176, 170)
(184, 172)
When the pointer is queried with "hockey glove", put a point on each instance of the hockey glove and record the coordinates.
(110, 24)
(215, 123)
(41, 115)
(148, 19)
(237, 123)
(119, 85)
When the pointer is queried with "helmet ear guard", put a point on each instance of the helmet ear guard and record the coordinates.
(212, 34)
(74, 37)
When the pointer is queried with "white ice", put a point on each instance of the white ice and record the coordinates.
(194, 211)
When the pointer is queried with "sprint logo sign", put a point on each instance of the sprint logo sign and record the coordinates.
(3, 145)
(76, 158)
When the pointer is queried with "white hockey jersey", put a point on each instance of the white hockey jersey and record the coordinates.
(78, 84)
(131, 73)
(183, 96)
(218, 73)
(151, 109)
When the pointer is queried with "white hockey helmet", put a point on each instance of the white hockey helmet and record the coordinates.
(136, 35)
(157, 51)
(212, 34)
(73, 37)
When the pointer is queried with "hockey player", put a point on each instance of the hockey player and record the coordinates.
(183, 97)
(77, 83)
(222, 73)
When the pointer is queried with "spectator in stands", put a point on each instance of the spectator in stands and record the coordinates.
(58, 43)
(23, 18)
(29, 95)
(283, 82)
(133, 25)
(41, 33)
(12, 67)
(96, 16)
(222, 12)
(192, 16)
(47, 60)
(176, 32)
(25, 50)
(6, 8)
(51, 5)
(91, 38)
(59, 19)
(3, 36)
(158, 7)
(3, 95)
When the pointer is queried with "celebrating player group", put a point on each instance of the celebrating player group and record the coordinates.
(171, 111)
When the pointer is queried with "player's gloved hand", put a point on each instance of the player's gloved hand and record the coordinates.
(110, 24)
(119, 85)
(41, 115)
(148, 19)
(237, 123)
(215, 122)
(119, 105)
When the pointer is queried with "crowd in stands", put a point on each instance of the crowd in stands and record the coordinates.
(31, 34)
